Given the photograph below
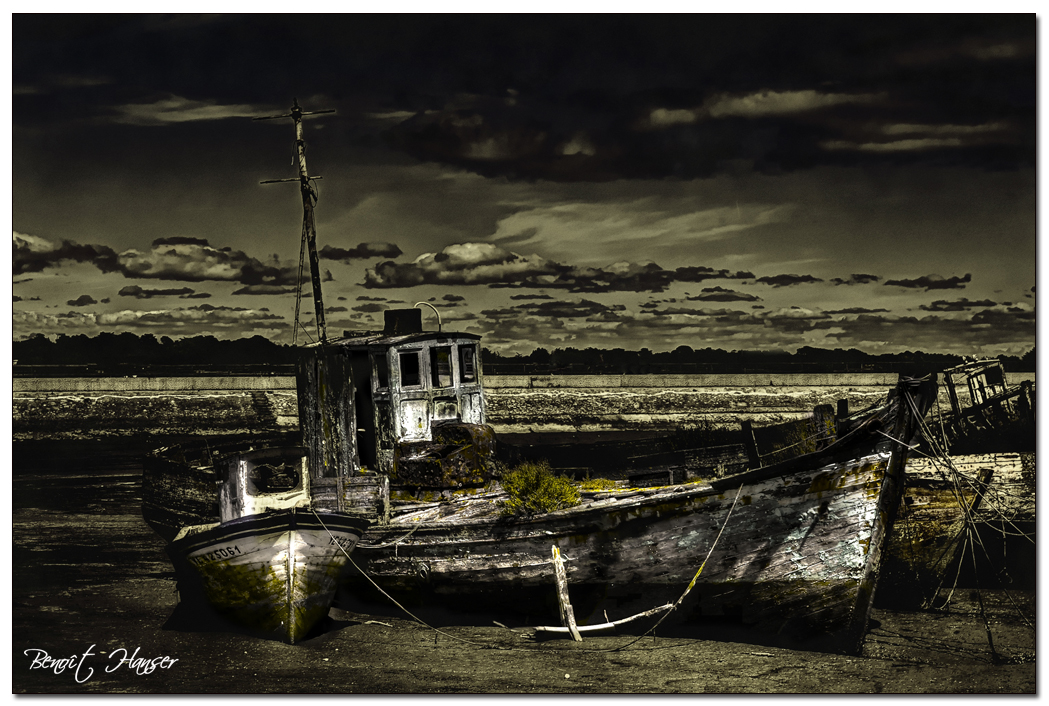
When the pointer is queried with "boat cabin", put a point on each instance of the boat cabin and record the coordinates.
(984, 378)
(404, 402)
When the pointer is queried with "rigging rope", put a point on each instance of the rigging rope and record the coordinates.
(691, 583)
(298, 285)
(970, 522)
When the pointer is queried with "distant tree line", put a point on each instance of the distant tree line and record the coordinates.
(128, 353)
(685, 360)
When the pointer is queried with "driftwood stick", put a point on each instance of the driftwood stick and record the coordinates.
(567, 614)
(608, 625)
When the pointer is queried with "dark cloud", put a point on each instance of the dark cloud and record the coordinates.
(787, 280)
(195, 260)
(29, 299)
(583, 309)
(369, 308)
(857, 279)
(265, 289)
(990, 328)
(496, 267)
(530, 296)
(364, 298)
(856, 310)
(32, 254)
(195, 319)
(181, 240)
(962, 304)
(720, 294)
(681, 104)
(133, 290)
(178, 258)
(453, 298)
(82, 300)
(335, 310)
(361, 252)
(931, 282)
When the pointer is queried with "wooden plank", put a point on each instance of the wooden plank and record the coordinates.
(567, 614)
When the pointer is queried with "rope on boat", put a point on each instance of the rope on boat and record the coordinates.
(945, 460)
(970, 524)
(396, 542)
(670, 609)
(394, 600)
(806, 440)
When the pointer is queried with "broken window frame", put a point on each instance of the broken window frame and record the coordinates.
(418, 377)
(468, 363)
(441, 379)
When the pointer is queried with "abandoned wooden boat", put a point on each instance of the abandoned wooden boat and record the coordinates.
(986, 414)
(262, 535)
(800, 553)
(272, 560)
(950, 503)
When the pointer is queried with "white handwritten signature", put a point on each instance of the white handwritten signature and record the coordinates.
(140, 665)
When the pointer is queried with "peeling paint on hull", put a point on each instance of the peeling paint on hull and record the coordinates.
(273, 573)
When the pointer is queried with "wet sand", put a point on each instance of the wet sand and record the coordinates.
(89, 575)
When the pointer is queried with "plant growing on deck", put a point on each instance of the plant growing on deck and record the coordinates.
(532, 488)
(597, 484)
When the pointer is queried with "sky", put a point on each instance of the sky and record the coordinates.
(743, 182)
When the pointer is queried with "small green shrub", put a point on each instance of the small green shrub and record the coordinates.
(534, 489)
(597, 484)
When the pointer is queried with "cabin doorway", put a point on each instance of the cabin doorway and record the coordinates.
(364, 408)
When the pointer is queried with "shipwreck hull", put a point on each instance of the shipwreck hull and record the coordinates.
(274, 574)
(799, 553)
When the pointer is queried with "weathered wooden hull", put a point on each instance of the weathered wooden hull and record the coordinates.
(275, 573)
(942, 503)
(799, 554)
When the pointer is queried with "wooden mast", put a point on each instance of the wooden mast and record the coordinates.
(309, 228)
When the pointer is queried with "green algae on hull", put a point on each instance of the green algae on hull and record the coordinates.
(274, 574)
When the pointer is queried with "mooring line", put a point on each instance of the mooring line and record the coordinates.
(691, 583)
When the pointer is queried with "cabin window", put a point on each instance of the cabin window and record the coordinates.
(410, 369)
(441, 366)
(382, 371)
(271, 478)
(468, 363)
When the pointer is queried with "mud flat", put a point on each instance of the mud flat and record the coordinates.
(87, 408)
(89, 575)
